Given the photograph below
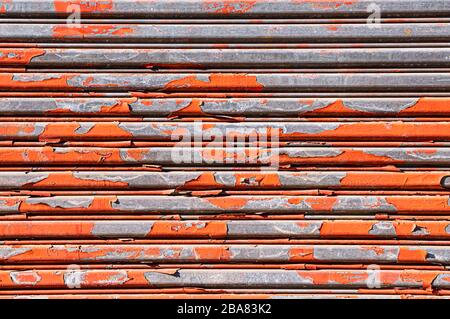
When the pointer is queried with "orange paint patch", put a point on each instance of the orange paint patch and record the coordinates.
(90, 6)
(7, 201)
(345, 229)
(301, 254)
(227, 203)
(98, 204)
(332, 27)
(321, 203)
(392, 180)
(4, 6)
(436, 204)
(327, 4)
(104, 278)
(295, 200)
(45, 229)
(427, 106)
(414, 276)
(136, 153)
(75, 31)
(26, 278)
(8, 81)
(354, 157)
(50, 155)
(122, 106)
(18, 56)
(69, 131)
(217, 82)
(423, 152)
(336, 108)
(194, 108)
(204, 181)
(68, 180)
(152, 252)
(228, 6)
(212, 253)
(194, 229)
(14, 129)
(412, 255)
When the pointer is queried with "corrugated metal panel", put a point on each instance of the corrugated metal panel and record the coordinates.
(223, 149)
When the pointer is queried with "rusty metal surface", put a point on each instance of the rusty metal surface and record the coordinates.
(229, 33)
(225, 58)
(224, 149)
(225, 82)
(224, 8)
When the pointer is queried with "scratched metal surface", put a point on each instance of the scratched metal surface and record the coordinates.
(95, 203)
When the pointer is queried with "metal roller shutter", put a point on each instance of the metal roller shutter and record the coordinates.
(224, 149)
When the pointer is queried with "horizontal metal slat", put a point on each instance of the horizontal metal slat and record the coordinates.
(224, 58)
(239, 229)
(223, 278)
(255, 254)
(226, 132)
(224, 9)
(335, 181)
(227, 33)
(216, 156)
(217, 82)
(242, 180)
(237, 107)
(415, 204)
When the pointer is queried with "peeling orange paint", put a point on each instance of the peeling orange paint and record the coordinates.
(205, 180)
(81, 31)
(216, 253)
(65, 6)
(216, 82)
(19, 56)
(228, 7)
(7, 81)
(225, 203)
(87, 177)
(68, 180)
